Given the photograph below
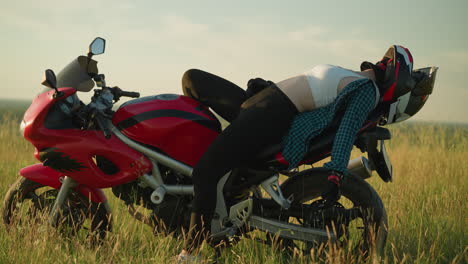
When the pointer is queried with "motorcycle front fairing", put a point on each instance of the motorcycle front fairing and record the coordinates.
(50, 177)
(76, 152)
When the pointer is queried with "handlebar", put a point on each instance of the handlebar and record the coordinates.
(130, 94)
(100, 109)
(117, 92)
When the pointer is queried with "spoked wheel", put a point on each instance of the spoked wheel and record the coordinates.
(358, 219)
(28, 202)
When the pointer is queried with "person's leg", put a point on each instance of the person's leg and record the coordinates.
(221, 95)
(263, 120)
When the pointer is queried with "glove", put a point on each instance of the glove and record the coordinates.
(256, 85)
(333, 192)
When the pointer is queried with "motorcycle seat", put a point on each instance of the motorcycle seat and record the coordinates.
(320, 145)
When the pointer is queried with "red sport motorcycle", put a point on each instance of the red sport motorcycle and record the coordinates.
(145, 150)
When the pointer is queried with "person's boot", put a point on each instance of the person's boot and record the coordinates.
(196, 235)
(197, 232)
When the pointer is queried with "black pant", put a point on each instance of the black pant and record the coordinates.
(262, 120)
(221, 95)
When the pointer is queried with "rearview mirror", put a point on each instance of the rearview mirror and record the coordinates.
(50, 79)
(97, 46)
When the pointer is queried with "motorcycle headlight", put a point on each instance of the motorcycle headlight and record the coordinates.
(22, 127)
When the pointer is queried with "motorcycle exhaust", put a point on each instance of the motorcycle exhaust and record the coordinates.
(360, 167)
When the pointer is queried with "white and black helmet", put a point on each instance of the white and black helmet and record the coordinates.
(410, 103)
(403, 91)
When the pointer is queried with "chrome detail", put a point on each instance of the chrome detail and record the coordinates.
(156, 182)
(67, 184)
(160, 190)
(163, 159)
(360, 167)
(157, 173)
(272, 187)
(22, 127)
(179, 189)
(158, 195)
(291, 231)
(107, 206)
(148, 180)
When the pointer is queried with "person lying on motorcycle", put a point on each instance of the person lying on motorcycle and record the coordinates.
(292, 111)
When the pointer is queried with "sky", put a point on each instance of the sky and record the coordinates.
(151, 43)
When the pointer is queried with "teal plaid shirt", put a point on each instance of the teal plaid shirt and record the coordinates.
(359, 99)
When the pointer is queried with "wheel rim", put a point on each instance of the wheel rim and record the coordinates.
(308, 185)
(351, 234)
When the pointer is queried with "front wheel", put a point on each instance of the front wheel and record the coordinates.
(28, 201)
(365, 234)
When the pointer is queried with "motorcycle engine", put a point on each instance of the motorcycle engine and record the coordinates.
(172, 215)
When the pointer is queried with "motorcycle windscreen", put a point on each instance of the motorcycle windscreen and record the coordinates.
(77, 74)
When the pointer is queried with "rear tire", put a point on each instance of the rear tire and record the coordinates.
(310, 184)
(27, 201)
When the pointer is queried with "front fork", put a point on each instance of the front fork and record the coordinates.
(67, 185)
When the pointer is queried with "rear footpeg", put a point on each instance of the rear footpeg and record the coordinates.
(272, 187)
(291, 231)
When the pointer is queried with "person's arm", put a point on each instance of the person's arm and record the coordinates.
(360, 104)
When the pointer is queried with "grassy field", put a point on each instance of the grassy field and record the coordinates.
(426, 207)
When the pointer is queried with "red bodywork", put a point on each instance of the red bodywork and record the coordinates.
(176, 125)
(80, 147)
(49, 177)
(183, 135)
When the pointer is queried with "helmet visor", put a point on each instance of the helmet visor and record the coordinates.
(425, 84)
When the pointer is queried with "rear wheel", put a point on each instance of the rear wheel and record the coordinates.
(365, 234)
(29, 202)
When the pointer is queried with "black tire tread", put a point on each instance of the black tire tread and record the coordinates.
(313, 181)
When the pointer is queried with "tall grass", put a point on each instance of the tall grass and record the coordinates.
(428, 215)
(426, 207)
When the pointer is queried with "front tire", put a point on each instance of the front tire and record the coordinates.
(28, 200)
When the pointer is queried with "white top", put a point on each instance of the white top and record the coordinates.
(317, 87)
